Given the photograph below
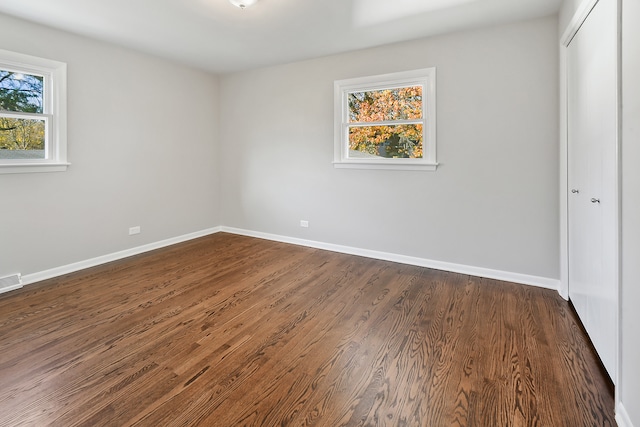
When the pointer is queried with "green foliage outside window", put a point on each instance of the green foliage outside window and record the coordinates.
(21, 93)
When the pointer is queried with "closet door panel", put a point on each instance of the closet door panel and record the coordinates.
(592, 168)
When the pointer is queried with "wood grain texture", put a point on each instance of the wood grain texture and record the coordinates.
(234, 331)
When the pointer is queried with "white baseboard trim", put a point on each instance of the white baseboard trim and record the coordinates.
(622, 417)
(542, 282)
(28, 279)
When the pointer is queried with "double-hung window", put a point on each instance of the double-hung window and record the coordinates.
(32, 114)
(386, 121)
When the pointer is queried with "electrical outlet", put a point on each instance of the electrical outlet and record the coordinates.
(134, 230)
(304, 223)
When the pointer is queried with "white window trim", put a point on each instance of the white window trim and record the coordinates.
(55, 112)
(426, 78)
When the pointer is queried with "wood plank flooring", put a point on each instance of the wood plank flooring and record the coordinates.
(233, 331)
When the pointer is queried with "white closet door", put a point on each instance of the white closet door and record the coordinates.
(593, 203)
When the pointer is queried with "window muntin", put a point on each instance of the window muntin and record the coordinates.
(386, 121)
(32, 114)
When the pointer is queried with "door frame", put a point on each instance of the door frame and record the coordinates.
(574, 25)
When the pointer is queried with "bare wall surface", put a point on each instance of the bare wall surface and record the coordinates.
(142, 147)
(492, 203)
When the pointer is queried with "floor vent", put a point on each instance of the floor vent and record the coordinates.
(10, 283)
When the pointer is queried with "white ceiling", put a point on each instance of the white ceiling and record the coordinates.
(216, 36)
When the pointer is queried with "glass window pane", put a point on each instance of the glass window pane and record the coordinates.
(403, 103)
(21, 92)
(22, 138)
(388, 142)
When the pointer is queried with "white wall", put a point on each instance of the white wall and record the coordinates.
(629, 392)
(492, 203)
(142, 143)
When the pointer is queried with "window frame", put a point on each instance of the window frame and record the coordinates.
(425, 77)
(54, 112)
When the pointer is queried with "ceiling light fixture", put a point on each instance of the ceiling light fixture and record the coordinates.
(242, 4)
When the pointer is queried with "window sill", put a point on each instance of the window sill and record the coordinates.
(33, 167)
(386, 166)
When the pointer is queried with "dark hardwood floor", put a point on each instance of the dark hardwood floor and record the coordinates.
(231, 331)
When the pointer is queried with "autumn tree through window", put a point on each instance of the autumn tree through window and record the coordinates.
(386, 122)
(32, 114)
(373, 116)
(22, 136)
